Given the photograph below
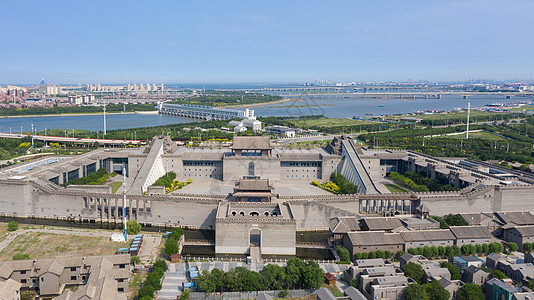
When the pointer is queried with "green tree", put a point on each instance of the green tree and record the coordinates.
(133, 227)
(294, 269)
(313, 275)
(485, 248)
(435, 291)
(415, 291)
(147, 291)
(21, 256)
(135, 260)
(232, 282)
(13, 225)
(427, 252)
(527, 247)
(512, 246)
(171, 247)
(441, 251)
(471, 291)
(185, 295)
(414, 271)
(354, 283)
(498, 274)
(530, 284)
(283, 294)
(344, 254)
(456, 273)
(372, 255)
(434, 251)
(205, 282)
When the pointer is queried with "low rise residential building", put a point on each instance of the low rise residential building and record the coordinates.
(471, 235)
(389, 287)
(381, 224)
(339, 227)
(451, 286)
(463, 262)
(51, 276)
(366, 241)
(519, 235)
(10, 290)
(421, 238)
(475, 275)
(407, 258)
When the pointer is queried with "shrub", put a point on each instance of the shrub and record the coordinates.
(21, 256)
(134, 260)
(133, 227)
(13, 225)
(283, 294)
(512, 246)
(344, 254)
(171, 247)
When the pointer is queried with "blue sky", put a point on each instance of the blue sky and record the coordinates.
(268, 41)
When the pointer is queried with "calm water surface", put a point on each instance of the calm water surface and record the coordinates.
(330, 107)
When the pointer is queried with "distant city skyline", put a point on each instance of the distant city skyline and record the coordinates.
(275, 42)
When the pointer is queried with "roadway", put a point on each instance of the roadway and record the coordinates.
(48, 138)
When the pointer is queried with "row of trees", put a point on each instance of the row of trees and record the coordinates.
(441, 183)
(96, 178)
(451, 251)
(450, 220)
(74, 109)
(295, 275)
(407, 182)
(376, 254)
(434, 291)
(345, 186)
(220, 98)
(153, 281)
(517, 149)
(171, 245)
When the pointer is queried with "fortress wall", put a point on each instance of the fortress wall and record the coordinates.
(312, 215)
(180, 212)
(515, 198)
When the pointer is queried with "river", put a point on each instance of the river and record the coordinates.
(330, 107)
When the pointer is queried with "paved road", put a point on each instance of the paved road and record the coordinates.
(66, 139)
(172, 282)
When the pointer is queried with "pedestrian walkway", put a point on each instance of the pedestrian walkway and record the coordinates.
(172, 282)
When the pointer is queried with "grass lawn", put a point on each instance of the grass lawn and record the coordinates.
(448, 115)
(135, 285)
(330, 122)
(333, 289)
(47, 245)
(474, 135)
(115, 186)
(3, 230)
(395, 188)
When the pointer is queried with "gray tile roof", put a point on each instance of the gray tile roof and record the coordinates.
(525, 230)
(427, 235)
(470, 232)
(519, 218)
(472, 219)
(354, 294)
(324, 294)
(375, 238)
(381, 223)
(343, 224)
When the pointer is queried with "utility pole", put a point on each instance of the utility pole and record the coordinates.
(124, 201)
(468, 113)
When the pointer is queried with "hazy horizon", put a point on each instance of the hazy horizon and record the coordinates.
(279, 41)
